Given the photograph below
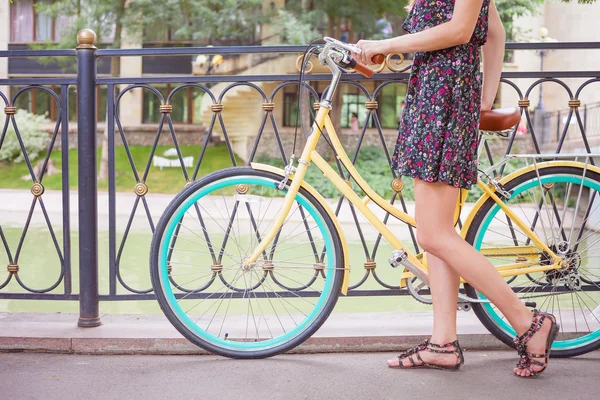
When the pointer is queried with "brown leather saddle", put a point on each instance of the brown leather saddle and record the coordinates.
(499, 119)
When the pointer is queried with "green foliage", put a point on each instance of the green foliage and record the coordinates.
(511, 9)
(31, 133)
(296, 29)
(100, 16)
(201, 20)
(371, 164)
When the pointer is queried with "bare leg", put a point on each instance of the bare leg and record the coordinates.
(444, 284)
(442, 240)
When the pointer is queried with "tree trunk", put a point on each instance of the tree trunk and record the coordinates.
(330, 26)
(114, 71)
(337, 31)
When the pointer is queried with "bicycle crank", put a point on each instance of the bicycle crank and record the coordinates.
(400, 257)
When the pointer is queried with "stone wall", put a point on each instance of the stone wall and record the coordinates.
(144, 135)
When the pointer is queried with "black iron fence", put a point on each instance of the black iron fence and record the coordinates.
(63, 233)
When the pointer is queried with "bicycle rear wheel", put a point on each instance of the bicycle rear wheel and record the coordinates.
(563, 209)
(202, 283)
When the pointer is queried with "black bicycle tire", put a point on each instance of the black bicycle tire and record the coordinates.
(478, 308)
(206, 345)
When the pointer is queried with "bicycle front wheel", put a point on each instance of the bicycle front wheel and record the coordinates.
(561, 204)
(212, 297)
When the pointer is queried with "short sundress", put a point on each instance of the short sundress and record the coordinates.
(438, 134)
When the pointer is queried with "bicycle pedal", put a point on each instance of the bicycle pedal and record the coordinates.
(397, 258)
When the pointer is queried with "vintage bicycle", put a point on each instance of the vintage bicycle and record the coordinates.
(248, 262)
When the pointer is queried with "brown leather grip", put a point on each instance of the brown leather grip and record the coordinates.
(363, 69)
(378, 59)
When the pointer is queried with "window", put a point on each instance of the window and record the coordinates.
(353, 102)
(41, 102)
(290, 108)
(22, 18)
(151, 102)
(44, 25)
(27, 25)
(388, 110)
(37, 101)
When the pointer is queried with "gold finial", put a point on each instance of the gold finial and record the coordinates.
(86, 39)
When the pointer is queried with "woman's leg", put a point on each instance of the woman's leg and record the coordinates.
(441, 239)
(444, 284)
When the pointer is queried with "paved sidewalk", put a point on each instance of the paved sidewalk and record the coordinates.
(486, 376)
(153, 334)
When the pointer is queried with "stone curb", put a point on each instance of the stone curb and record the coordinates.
(181, 346)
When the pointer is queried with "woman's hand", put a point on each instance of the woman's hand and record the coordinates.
(369, 49)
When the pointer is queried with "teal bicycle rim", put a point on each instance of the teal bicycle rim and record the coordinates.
(564, 178)
(244, 345)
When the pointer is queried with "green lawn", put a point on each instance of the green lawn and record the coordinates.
(169, 180)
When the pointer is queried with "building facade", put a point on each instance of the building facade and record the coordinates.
(21, 25)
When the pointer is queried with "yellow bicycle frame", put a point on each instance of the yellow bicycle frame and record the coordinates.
(309, 154)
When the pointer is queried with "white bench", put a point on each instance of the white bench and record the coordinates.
(162, 162)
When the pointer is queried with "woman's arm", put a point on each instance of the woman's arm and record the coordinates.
(493, 57)
(452, 33)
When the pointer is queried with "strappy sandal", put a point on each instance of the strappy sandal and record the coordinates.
(527, 359)
(432, 348)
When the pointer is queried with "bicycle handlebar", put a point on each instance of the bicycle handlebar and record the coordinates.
(349, 62)
(361, 68)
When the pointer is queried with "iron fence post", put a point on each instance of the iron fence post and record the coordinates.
(87, 181)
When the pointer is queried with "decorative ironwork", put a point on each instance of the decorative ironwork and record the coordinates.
(371, 105)
(86, 39)
(13, 268)
(398, 62)
(372, 133)
(397, 185)
(309, 65)
(141, 189)
(370, 265)
(319, 267)
(165, 108)
(268, 106)
(242, 188)
(268, 265)
(37, 189)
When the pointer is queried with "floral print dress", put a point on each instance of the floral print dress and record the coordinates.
(438, 135)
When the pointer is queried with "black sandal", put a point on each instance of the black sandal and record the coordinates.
(432, 348)
(527, 359)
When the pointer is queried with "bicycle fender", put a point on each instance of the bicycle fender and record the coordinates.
(320, 199)
(515, 174)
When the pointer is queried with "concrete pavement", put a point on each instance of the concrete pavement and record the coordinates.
(153, 334)
(486, 375)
